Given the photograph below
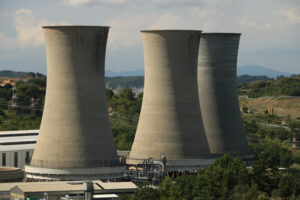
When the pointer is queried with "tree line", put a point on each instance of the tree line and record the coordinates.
(228, 178)
(282, 86)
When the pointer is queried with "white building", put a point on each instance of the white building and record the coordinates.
(16, 147)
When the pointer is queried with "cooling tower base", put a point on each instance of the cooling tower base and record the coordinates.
(67, 174)
(178, 165)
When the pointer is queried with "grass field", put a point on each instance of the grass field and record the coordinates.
(282, 106)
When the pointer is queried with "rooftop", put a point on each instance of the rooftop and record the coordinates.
(70, 186)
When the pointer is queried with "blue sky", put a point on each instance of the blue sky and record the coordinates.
(270, 28)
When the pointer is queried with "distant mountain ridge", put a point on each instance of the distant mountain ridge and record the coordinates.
(111, 73)
(124, 82)
(255, 70)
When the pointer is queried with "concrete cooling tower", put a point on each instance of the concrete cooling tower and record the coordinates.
(218, 95)
(170, 124)
(75, 140)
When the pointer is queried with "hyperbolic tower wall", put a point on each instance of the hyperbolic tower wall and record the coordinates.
(75, 140)
(218, 95)
(170, 123)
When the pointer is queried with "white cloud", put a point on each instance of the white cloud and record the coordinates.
(91, 2)
(131, 2)
(265, 25)
(292, 14)
(169, 21)
(125, 29)
(263, 28)
(29, 28)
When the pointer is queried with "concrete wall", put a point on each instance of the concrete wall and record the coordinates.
(75, 130)
(170, 121)
(218, 93)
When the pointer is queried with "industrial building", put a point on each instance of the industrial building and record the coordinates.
(64, 190)
(75, 140)
(170, 126)
(190, 112)
(218, 94)
(22, 144)
(11, 174)
(16, 147)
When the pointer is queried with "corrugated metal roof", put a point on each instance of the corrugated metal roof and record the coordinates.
(51, 187)
(70, 186)
(10, 139)
(19, 132)
(18, 140)
(105, 196)
(17, 147)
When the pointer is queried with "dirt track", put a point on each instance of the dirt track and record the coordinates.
(282, 106)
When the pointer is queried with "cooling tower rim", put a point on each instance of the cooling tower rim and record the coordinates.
(74, 26)
(169, 30)
(219, 33)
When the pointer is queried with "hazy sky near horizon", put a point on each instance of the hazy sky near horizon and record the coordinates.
(270, 28)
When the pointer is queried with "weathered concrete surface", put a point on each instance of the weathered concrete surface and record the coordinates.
(75, 130)
(170, 122)
(218, 93)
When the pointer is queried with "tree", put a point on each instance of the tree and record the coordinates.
(165, 187)
(183, 188)
(219, 180)
(127, 94)
(146, 193)
(286, 185)
(109, 94)
(265, 178)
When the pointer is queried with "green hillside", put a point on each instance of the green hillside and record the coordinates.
(12, 74)
(228, 178)
(248, 79)
(282, 86)
(125, 82)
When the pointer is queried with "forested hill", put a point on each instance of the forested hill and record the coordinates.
(125, 82)
(138, 81)
(282, 86)
(248, 79)
(252, 86)
(12, 74)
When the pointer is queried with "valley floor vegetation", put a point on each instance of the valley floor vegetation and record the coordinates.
(276, 170)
